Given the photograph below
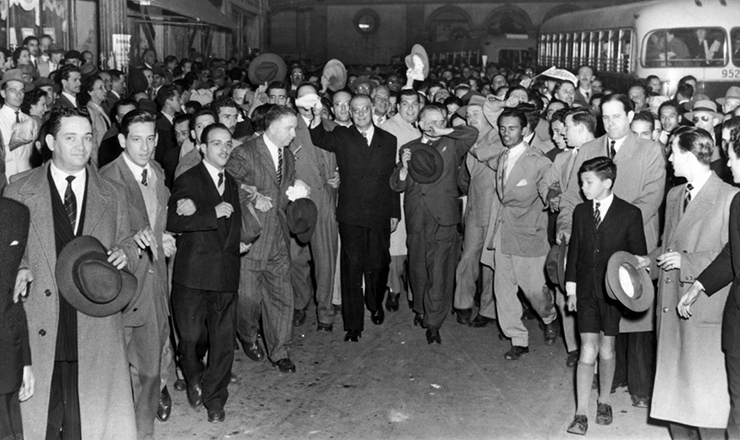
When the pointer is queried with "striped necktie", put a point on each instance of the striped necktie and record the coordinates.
(280, 167)
(687, 196)
(597, 214)
(70, 202)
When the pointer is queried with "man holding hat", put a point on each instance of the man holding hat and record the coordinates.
(82, 374)
(17, 153)
(428, 174)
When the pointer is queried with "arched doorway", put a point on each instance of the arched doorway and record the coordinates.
(449, 23)
(508, 20)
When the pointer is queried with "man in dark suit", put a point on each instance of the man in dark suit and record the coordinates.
(265, 168)
(110, 147)
(69, 78)
(16, 377)
(433, 214)
(368, 210)
(167, 152)
(206, 273)
(145, 319)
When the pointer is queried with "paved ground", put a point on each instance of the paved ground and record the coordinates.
(392, 385)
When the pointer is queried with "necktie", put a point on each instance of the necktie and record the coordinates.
(17, 116)
(502, 167)
(70, 202)
(612, 150)
(280, 167)
(143, 177)
(220, 180)
(597, 215)
(687, 196)
(364, 134)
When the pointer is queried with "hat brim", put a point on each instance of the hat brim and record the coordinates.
(438, 164)
(27, 86)
(69, 290)
(419, 51)
(643, 294)
(335, 71)
(266, 68)
(302, 211)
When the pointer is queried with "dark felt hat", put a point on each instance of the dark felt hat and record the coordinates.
(419, 51)
(426, 164)
(630, 286)
(336, 73)
(89, 69)
(74, 54)
(16, 75)
(555, 264)
(89, 282)
(301, 216)
(266, 68)
(47, 82)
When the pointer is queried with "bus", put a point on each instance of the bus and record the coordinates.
(670, 39)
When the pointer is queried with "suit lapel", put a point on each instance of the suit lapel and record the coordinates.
(698, 208)
(628, 148)
(98, 201)
(37, 196)
(611, 215)
(132, 186)
(517, 172)
(267, 161)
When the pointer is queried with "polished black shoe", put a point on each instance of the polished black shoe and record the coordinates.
(195, 396)
(180, 385)
(299, 317)
(579, 425)
(481, 321)
(433, 336)
(464, 315)
(254, 351)
(391, 302)
(552, 331)
(419, 320)
(640, 401)
(603, 414)
(353, 335)
(617, 385)
(516, 352)
(572, 359)
(324, 327)
(165, 405)
(378, 316)
(216, 415)
(285, 365)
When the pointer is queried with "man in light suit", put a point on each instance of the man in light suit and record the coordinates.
(82, 374)
(146, 318)
(266, 165)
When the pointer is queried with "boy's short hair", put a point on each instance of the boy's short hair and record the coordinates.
(602, 166)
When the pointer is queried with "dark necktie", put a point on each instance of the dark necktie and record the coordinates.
(17, 116)
(280, 167)
(687, 196)
(220, 180)
(70, 202)
(612, 150)
(597, 215)
(143, 177)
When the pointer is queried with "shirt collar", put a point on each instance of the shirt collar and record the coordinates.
(604, 204)
(617, 142)
(370, 132)
(71, 97)
(699, 182)
(213, 172)
(136, 169)
(270, 145)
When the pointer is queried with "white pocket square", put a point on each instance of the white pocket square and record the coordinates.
(522, 182)
(14, 243)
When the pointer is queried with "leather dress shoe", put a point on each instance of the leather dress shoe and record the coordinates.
(419, 320)
(579, 425)
(195, 396)
(378, 316)
(481, 321)
(617, 385)
(433, 336)
(216, 415)
(299, 317)
(552, 331)
(464, 315)
(165, 405)
(324, 327)
(180, 385)
(572, 359)
(254, 351)
(516, 352)
(353, 335)
(603, 414)
(391, 302)
(640, 401)
(285, 365)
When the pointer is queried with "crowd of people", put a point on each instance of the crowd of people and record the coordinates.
(157, 220)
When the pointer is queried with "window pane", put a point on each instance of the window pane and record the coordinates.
(685, 47)
(735, 35)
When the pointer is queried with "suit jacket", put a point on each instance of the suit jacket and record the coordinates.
(519, 206)
(440, 198)
(641, 169)
(365, 196)
(107, 410)
(481, 189)
(690, 368)
(252, 164)
(109, 150)
(580, 99)
(315, 167)
(14, 222)
(208, 247)
(167, 153)
(151, 273)
(100, 125)
(62, 101)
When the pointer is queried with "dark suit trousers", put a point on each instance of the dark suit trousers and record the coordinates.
(206, 320)
(433, 256)
(11, 424)
(64, 403)
(365, 254)
(635, 355)
(733, 379)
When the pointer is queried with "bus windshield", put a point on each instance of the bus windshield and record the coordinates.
(735, 35)
(685, 47)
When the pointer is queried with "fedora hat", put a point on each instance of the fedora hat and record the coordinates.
(74, 54)
(705, 105)
(473, 98)
(426, 164)
(266, 68)
(89, 69)
(733, 92)
(47, 82)
(555, 264)
(336, 73)
(630, 286)
(301, 216)
(419, 51)
(29, 71)
(16, 75)
(89, 282)
(251, 226)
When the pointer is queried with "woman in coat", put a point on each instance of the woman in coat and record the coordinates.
(92, 94)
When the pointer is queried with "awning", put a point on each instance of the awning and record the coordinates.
(199, 10)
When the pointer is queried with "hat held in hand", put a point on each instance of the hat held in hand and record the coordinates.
(301, 216)
(426, 164)
(627, 284)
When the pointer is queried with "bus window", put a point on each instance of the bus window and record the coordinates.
(735, 36)
(685, 47)
(625, 48)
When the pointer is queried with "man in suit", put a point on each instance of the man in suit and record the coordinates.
(317, 168)
(16, 376)
(82, 374)
(433, 214)
(268, 167)
(367, 212)
(206, 273)
(198, 122)
(583, 92)
(167, 153)
(520, 235)
(70, 80)
(641, 182)
(110, 148)
(17, 158)
(146, 317)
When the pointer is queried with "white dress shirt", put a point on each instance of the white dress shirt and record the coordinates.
(18, 160)
(698, 183)
(78, 188)
(213, 172)
(273, 149)
(368, 134)
(604, 205)
(514, 154)
(72, 98)
(617, 144)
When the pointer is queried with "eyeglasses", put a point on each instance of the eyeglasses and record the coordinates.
(361, 110)
(701, 118)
